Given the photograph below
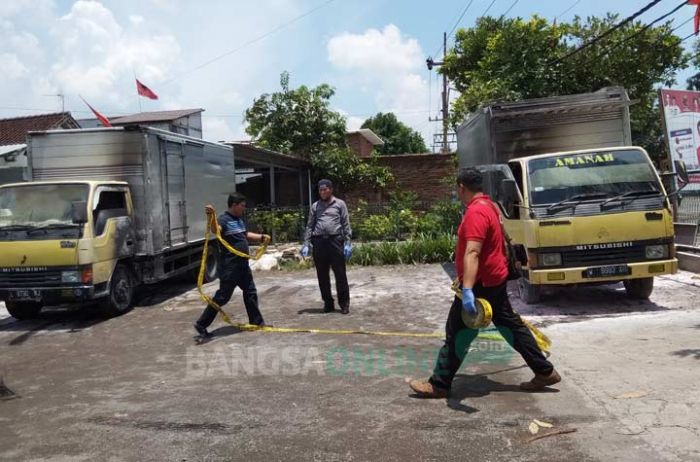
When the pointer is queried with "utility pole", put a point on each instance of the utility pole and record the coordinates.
(445, 97)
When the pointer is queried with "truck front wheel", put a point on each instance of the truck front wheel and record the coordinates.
(121, 293)
(639, 289)
(23, 310)
(529, 293)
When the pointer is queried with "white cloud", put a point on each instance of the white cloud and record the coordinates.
(136, 19)
(13, 68)
(96, 53)
(389, 65)
(218, 129)
(375, 51)
(355, 123)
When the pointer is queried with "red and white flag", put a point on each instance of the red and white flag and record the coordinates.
(103, 120)
(143, 90)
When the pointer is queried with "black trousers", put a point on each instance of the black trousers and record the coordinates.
(458, 337)
(328, 253)
(234, 275)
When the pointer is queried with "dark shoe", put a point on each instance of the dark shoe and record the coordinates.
(264, 324)
(202, 331)
(426, 389)
(541, 381)
(344, 309)
(328, 309)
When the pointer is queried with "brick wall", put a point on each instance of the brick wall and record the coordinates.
(423, 174)
(359, 144)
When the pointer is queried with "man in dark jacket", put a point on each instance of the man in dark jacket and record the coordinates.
(328, 232)
(234, 271)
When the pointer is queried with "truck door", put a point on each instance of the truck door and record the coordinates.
(175, 191)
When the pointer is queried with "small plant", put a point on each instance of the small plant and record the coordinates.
(422, 249)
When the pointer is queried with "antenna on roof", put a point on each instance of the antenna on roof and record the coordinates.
(63, 100)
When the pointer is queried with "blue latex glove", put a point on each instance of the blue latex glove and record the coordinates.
(347, 251)
(468, 302)
(305, 251)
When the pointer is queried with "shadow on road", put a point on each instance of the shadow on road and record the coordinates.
(687, 353)
(65, 318)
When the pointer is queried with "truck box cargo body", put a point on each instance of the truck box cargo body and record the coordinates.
(503, 131)
(581, 205)
(170, 176)
(106, 210)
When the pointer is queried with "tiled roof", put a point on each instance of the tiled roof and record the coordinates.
(14, 130)
(155, 116)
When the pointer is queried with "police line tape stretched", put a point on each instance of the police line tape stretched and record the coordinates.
(542, 340)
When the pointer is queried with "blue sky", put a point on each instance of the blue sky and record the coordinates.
(371, 51)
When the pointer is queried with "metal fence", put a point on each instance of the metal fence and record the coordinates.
(689, 210)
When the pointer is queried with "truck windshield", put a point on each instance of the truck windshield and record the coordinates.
(29, 208)
(562, 182)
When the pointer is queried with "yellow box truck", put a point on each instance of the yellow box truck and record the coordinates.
(105, 211)
(581, 204)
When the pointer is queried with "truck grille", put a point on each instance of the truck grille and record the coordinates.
(573, 258)
(12, 279)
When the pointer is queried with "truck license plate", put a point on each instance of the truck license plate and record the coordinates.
(607, 271)
(25, 294)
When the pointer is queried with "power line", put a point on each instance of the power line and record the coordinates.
(606, 33)
(568, 9)
(646, 27)
(461, 16)
(682, 24)
(510, 8)
(250, 42)
(488, 8)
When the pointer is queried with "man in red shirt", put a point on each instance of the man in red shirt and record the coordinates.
(483, 270)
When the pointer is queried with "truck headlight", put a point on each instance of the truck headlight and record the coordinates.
(70, 276)
(655, 252)
(550, 259)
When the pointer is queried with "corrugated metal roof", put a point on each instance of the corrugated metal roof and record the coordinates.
(155, 116)
(14, 130)
(370, 136)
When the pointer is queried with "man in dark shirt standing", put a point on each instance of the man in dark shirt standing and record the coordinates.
(483, 272)
(234, 271)
(328, 232)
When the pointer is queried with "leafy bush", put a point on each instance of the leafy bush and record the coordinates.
(286, 226)
(422, 249)
(375, 227)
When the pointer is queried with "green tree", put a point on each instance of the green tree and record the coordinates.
(512, 58)
(300, 122)
(297, 121)
(398, 137)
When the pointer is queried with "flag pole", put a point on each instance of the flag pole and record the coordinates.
(138, 97)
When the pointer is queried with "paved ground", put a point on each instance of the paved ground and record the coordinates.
(138, 387)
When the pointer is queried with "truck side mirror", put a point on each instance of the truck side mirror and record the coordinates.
(681, 171)
(508, 195)
(78, 212)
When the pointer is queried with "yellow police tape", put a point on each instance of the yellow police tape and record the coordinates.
(542, 341)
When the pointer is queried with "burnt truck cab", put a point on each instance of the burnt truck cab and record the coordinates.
(61, 241)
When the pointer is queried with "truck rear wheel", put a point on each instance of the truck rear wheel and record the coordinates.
(529, 293)
(211, 270)
(23, 310)
(639, 289)
(121, 293)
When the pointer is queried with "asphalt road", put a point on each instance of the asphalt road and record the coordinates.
(139, 387)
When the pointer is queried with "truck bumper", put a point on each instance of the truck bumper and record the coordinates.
(48, 295)
(581, 275)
